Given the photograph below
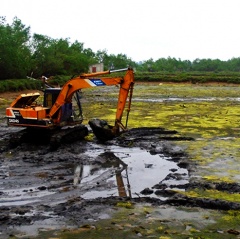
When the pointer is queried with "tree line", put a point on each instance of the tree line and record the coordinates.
(23, 54)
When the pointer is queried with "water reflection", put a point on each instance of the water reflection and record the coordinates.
(124, 172)
(78, 172)
(120, 171)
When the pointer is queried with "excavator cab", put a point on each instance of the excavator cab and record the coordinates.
(50, 96)
(68, 112)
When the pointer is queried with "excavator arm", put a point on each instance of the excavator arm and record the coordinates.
(93, 80)
(126, 90)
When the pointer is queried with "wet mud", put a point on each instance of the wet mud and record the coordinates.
(82, 181)
(172, 182)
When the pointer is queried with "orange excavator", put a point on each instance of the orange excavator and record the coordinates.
(61, 118)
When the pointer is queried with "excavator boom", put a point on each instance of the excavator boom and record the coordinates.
(76, 84)
(87, 81)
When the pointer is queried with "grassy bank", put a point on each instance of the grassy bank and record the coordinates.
(175, 77)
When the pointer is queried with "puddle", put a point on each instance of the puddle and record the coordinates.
(109, 171)
(137, 170)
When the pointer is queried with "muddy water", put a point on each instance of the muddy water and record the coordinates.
(139, 170)
(108, 170)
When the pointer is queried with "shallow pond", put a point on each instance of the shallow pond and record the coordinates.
(137, 170)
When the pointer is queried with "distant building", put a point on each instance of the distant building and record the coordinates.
(96, 68)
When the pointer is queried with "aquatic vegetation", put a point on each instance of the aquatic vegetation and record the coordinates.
(161, 222)
(125, 204)
(212, 194)
(217, 179)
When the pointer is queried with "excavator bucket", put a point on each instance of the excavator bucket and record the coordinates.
(102, 130)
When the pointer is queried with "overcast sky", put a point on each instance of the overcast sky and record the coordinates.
(141, 29)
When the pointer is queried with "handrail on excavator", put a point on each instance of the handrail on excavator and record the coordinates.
(84, 75)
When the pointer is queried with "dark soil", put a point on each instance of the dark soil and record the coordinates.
(37, 183)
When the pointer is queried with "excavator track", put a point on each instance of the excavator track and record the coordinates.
(33, 136)
(68, 135)
(53, 138)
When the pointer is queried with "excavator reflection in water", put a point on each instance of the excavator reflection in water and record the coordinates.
(83, 171)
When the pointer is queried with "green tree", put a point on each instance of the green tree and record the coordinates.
(41, 53)
(78, 58)
(210, 65)
(118, 61)
(58, 57)
(233, 64)
(101, 56)
(15, 53)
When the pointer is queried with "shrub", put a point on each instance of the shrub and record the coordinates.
(19, 85)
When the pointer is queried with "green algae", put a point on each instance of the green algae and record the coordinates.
(193, 119)
(212, 194)
(159, 222)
